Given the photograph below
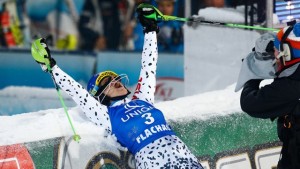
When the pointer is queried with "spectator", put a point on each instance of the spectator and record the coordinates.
(128, 24)
(261, 11)
(100, 25)
(196, 6)
(138, 35)
(255, 7)
(170, 36)
(56, 19)
(133, 36)
(215, 3)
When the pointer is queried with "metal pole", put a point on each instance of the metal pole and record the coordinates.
(269, 13)
(246, 12)
(251, 12)
(187, 9)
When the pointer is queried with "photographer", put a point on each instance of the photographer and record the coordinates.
(280, 99)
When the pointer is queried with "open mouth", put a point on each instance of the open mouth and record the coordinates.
(118, 85)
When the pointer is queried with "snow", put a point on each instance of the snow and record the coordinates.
(45, 124)
(202, 106)
(227, 15)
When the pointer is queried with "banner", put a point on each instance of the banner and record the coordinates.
(15, 157)
(233, 141)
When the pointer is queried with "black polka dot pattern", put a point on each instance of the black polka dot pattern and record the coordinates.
(148, 69)
(166, 152)
(94, 111)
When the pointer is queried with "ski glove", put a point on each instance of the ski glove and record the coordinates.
(149, 24)
(41, 54)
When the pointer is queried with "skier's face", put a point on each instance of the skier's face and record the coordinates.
(115, 87)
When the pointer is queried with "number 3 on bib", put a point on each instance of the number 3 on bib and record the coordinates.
(149, 118)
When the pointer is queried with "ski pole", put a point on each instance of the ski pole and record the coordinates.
(159, 16)
(76, 137)
(234, 25)
(40, 55)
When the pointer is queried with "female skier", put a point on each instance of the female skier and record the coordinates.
(136, 123)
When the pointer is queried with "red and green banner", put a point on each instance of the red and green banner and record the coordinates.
(15, 157)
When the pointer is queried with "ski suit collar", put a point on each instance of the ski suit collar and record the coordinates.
(119, 102)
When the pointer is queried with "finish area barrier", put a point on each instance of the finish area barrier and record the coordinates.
(224, 142)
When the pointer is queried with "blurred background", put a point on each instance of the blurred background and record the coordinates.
(111, 25)
(89, 36)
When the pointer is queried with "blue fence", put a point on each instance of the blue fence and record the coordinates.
(19, 69)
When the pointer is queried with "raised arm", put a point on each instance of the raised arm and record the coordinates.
(147, 80)
(95, 111)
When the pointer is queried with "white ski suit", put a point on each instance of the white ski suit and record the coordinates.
(135, 122)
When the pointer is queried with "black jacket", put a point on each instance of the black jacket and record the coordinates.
(277, 99)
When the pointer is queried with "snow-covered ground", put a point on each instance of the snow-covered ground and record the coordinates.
(45, 124)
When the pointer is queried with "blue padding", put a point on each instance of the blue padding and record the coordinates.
(296, 53)
(276, 43)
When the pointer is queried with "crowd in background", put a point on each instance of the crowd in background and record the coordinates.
(95, 25)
